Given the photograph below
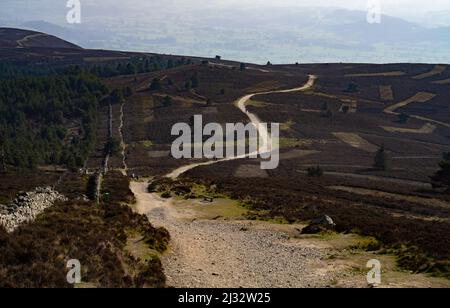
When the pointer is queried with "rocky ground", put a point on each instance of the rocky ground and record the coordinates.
(233, 252)
(27, 206)
(236, 253)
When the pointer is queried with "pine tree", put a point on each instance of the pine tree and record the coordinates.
(315, 171)
(127, 92)
(130, 69)
(155, 85)
(380, 160)
(113, 146)
(403, 118)
(167, 101)
(442, 177)
(117, 96)
(194, 81)
(188, 85)
(446, 156)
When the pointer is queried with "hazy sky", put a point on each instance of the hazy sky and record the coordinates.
(399, 8)
(236, 30)
(392, 7)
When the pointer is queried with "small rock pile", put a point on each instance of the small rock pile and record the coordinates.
(27, 206)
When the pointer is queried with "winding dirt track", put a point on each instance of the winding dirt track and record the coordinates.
(22, 41)
(262, 130)
(233, 253)
(421, 97)
(230, 253)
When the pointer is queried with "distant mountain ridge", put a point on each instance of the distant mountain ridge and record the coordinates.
(254, 34)
(19, 38)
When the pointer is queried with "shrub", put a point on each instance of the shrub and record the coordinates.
(113, 146)
(166, 195)
(152, 187)
(315, 171)
(35, 255)
(352, 88)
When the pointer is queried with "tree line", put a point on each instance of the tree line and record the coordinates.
(136, 65)
(130, 66)
(48, 120)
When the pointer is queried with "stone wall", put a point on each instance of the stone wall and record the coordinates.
(27, 206)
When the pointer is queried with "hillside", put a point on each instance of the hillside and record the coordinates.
(101, 133)
(39, 49)
(17, 38)
(339, 124)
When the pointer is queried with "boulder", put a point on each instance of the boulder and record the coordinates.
(320, 224)
(324, 220)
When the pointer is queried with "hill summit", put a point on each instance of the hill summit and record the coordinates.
(18, 38)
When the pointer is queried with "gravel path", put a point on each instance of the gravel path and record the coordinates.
(262, 131)
(230, 254)
(238, 253)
